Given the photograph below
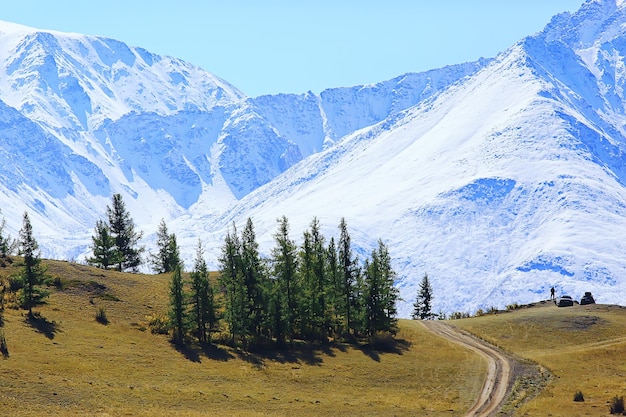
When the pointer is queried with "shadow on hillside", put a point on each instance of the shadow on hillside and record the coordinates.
(194, 352)
(298, 353)
(309, 355)
(393, 346)
(188, 352)
(42, 325)
(216, 353)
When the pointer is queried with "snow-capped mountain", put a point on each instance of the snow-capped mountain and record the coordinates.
(499, 178)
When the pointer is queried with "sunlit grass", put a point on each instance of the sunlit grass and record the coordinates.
(582, 346)
(66, 363)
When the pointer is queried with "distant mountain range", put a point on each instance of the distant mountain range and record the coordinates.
(499, 178)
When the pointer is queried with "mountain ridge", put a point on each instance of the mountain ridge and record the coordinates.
(494, 177)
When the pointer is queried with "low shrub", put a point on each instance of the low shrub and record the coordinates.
(459, 315)
(617, 405)
(158, 324)
(101, 316)
(514, 306)
(578, 397)
(4, 349)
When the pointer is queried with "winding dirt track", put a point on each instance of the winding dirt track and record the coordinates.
(499, 370)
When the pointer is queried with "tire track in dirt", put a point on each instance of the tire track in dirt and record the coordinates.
(499, 369)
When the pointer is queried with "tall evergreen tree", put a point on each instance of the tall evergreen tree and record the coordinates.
(422, 308)
(122, 228)
(380, 293)
(178, 312)
(334, 288)
(348, 270)
(167, 257)
(32, 273)
(284, 262)
(254, 280)
(105, 253)
(202, 298)
(312, 282)
(232, 281)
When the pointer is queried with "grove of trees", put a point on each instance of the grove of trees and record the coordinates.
(312, 292)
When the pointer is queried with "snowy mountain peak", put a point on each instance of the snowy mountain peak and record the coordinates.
(78, 81)
(499, 178)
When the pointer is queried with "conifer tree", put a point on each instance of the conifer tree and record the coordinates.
(284, 264)
(105, 253)
(334, 288)
(122, 228)
(380, 293)
(254, 280)
(422, 308)
(232, 281)
(348, 272)
(167, 257)
(177, 313)
(203, 312)
(32, 273)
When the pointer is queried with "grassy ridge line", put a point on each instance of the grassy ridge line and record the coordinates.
(66, 363)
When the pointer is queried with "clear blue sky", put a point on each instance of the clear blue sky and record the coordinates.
(293, 46)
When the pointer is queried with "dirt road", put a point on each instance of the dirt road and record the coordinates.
(499, 370)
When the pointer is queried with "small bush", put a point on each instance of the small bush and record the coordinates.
(158, 324)
(458, 315)
(514, 306)
(15, 284)
(578, 397)
(58, 283)
(101, 316)
(4, 349)
(617, 405)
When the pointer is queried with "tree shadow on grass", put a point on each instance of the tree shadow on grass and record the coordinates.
(189, 352)
(377, 346)
(42, 325)
(216, 353)
(298, 352)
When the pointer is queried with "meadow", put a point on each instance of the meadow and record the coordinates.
(581, 348)
(64, 362)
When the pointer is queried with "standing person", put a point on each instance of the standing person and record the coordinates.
(552, 297)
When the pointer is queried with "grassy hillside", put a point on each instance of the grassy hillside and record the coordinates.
(66, 363)
(583, 347)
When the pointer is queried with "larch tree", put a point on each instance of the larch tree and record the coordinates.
(122, 228)
(232, 281)
(348, 275)
(202, 300)
(284, 265)
(105, 252)
(32, 274)
(380, 293)
(178, 308)
(167, 257)
(254, 280)
(422, 308)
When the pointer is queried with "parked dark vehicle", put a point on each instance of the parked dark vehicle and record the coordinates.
(587, 299)
(564, 301)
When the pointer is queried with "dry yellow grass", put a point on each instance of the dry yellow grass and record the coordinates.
(68, 364)
(582, 346)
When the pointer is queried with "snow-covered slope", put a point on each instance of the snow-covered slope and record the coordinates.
(499, 178)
